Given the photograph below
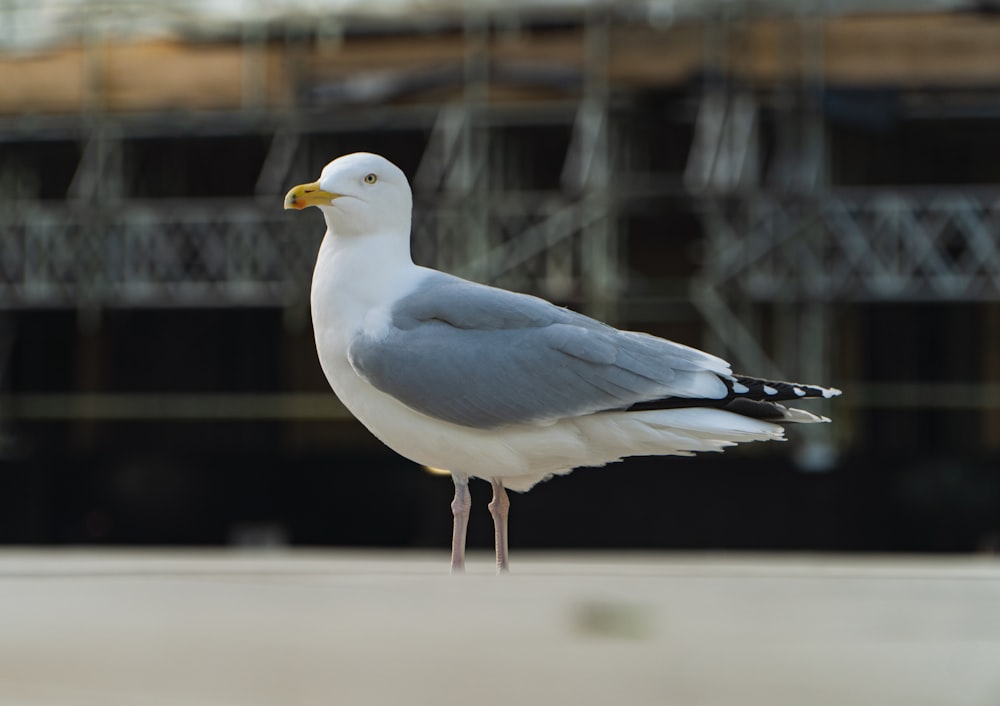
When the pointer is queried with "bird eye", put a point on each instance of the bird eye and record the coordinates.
(370, 178)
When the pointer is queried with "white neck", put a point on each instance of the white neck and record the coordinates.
(357, 273)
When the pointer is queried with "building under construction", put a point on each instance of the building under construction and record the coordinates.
(812, 194)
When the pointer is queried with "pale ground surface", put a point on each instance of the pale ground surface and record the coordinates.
(339, 627)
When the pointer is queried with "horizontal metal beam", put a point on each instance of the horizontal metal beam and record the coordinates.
(334, 120)
(302, 406)
(923, 395)
(322, 406)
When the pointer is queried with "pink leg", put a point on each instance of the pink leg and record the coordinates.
(460, 509)
(498, 508)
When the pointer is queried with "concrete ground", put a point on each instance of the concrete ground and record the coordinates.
(341, 627)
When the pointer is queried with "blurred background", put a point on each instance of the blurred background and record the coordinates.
(811, 190)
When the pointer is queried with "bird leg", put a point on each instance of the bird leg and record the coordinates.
(460, 509)
(498, 508)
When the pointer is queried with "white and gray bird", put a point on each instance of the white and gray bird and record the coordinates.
(497, 385)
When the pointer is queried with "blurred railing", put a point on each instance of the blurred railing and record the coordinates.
(858, 245)
(157, 255)
(245, 253)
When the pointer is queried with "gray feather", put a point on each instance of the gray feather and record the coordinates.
(484, 357)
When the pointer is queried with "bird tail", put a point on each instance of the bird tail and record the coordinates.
(755, 398)
(679, 432)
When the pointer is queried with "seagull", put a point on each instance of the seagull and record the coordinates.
(492, 384)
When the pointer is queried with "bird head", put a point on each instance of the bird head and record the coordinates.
(358, 193)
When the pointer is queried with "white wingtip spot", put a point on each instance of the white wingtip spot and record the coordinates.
(770, 390)
(831, 392)
(740, 389)
(799, 391)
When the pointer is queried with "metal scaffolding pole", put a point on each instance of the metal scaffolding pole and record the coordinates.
(599, 243)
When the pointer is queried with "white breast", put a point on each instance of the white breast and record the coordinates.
(350, 299)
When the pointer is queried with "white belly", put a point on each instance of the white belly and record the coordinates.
(528, 453)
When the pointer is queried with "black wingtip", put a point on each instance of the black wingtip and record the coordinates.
(742, 386)
(752, 397)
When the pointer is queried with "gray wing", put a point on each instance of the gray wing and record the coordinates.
(485, 357)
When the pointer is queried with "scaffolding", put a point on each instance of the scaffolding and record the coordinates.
(776, 233)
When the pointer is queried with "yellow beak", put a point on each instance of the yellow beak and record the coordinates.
(308, 195)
